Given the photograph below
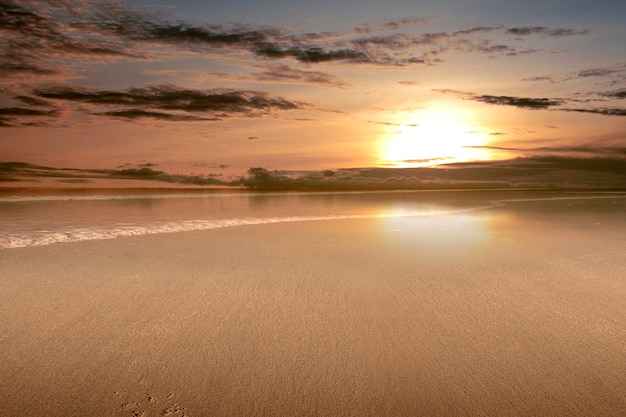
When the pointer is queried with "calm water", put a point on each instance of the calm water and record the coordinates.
(33, 219)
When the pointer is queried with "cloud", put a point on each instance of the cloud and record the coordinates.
(172, 103)
(533, 171)
(521, 102)
(410, 83)
(392, 25)
(40, 34)
(597, 72)
(618, 94)
(392, 124)
(285, 73)
(540, 79)
(13, 116)
(32, 101)
(134, 114)
(21, 111)
(602, 111)
(539, 103)
(544, 31)
(310, 54)
(588, 151)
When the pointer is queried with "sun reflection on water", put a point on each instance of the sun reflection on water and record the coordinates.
(440, 226)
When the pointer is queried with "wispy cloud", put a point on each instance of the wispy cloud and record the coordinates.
(542, 103)
(172, 103)
(134, 114)
(43, 40)
(618, 94)
(587, 151)
(597, 72)
(286, 73)
(37, 33)
(543, 78)
(521, 102)
(392, 25)
(24, 116)
(545, 31)
(602, 111)
(391, 124)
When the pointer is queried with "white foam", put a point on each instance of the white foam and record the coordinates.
(43, 238)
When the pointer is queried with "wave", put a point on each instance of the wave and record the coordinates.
(43, 238)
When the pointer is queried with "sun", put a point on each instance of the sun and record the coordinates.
(432, 138)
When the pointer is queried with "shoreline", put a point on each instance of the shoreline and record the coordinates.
(241, 189)
(441, 205)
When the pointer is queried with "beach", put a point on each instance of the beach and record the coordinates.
(513, 311)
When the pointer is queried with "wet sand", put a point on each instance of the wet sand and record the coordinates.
(518, 315)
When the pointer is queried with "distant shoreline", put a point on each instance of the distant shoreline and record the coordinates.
(241, 189)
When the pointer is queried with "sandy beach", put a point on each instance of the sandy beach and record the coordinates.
(519, 315)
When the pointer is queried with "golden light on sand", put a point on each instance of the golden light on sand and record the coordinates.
(432, 138)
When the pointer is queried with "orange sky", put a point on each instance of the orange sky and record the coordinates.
(303, 86)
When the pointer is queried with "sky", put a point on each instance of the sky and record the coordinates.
(206, 86)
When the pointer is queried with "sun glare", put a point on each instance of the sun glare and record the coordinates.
(433, 138)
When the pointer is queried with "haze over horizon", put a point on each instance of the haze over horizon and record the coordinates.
(197, 87)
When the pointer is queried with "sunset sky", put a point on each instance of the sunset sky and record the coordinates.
(200, 86)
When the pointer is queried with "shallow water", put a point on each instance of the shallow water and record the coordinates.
(36, 218)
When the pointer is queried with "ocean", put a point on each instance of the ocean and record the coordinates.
(35, 218)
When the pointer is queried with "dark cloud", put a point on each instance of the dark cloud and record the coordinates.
(310, 54)
(392, 25)
(33, 38)
(540, 79)
(285, 73)
(21, 111)
(8, 68)
(263, 41)
(535, 171)
(15, 18)
(475, 30)
(539, 103)
(588, 151)
(618, 94)
(181, 34)
(544, 31)
(33, 101)
(611, 165)
(40, 33)
(134, 114)
(602, 111)
(14, 116)
(161, 101)
(521, 102)
(597, 72)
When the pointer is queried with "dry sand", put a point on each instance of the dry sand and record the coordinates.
(326, 318)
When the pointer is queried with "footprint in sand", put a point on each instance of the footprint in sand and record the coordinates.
(135, 409)
(174, 410)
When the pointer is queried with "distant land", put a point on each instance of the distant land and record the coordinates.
(536, 172)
